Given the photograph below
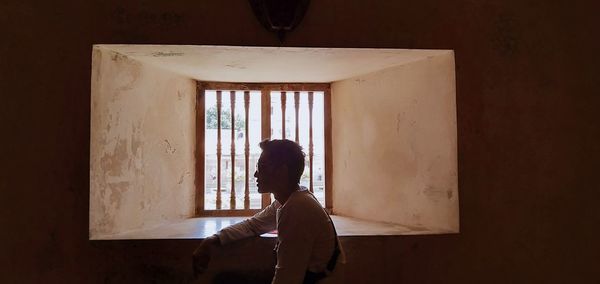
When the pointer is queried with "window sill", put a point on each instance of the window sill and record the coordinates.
(200, 228)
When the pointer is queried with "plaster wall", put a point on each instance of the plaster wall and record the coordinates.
(142, 145)
(394, 145)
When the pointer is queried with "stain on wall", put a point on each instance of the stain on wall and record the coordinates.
(400, 125)
(142, 145)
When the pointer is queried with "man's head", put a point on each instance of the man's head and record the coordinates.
(280, 166)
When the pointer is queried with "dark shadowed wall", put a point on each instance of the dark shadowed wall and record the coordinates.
(527, 93)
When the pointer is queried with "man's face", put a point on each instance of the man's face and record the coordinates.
(269, 178)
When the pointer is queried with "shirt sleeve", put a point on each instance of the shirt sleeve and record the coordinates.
(262, 222)
(294, 248)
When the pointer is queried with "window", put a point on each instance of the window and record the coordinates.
(232, 118)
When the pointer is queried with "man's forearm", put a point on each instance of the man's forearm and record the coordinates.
(260, 223)
(239, 231)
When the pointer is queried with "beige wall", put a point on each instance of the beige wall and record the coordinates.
(394, 145)
(142, 145)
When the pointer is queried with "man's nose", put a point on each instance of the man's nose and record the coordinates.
(256, 174)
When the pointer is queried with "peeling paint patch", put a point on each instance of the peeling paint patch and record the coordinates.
(117, 190)
(169, 149)
(136, 139)
(434, 193)
(399, 118)
(115, 56)
(182, 177)
(112, 163)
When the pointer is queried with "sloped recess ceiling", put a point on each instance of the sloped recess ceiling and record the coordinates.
(270, 64)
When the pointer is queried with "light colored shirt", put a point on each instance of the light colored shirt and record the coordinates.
(306, 237)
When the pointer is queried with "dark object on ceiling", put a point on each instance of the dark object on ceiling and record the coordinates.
(279, 16)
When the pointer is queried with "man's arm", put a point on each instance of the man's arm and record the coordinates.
(262, 222)
(296, 242)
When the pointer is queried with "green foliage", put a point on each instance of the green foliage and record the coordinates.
(211, 119)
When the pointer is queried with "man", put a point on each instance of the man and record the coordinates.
(307, 245)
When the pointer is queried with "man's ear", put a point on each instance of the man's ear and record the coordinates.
(283, 170)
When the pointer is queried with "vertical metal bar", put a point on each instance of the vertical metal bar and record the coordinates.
(310, 138)
(246, 152)
(232, 103)
(219, 103)
(265, 95)
(296, 109)
(283, 101)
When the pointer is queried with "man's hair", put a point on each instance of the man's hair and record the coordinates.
(285, 152)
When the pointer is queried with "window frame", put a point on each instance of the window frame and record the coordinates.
(265, 89)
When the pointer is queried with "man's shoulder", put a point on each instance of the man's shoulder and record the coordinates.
(304, 202)
(304, 197)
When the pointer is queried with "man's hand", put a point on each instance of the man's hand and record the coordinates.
(201, 255)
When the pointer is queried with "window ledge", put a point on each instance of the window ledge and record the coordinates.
(200, 228)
